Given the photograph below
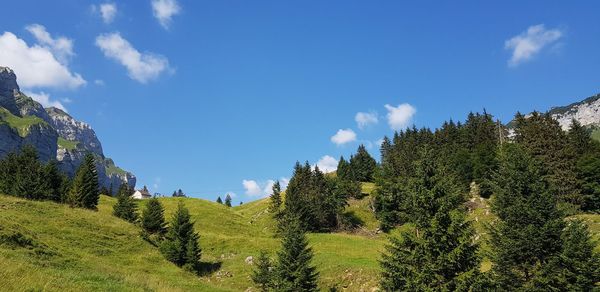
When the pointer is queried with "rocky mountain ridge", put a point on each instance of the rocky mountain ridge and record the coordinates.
(587, 112)
(53, 132)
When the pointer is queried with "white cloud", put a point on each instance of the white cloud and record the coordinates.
(141, 67)
(530, 42)
(343, 136)
(255, 189)
(399, 117)
(252, 188)
(365, 119)
(61, 47)
(108, 11)
(164, 10)
(44, 99)
(99, 82)
(35, 66)
(327, 164)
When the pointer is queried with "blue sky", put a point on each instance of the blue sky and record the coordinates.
(223, 96)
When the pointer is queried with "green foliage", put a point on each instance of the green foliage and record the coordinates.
(67, 144)
(293, 271)
(275, 200)
(24, 176)
(362, 165)
(84, 190)
(262, 275)
(126, 207)
(577, 267)
(180, 245)
(314, 199)
(542, 137)
(219, 200)
(228, 200)
(153, 219)
(527, 235)
(439, 253)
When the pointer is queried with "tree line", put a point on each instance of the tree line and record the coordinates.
(23, 175)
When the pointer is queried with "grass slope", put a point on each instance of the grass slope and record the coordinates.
(20, 124)
(51, 247)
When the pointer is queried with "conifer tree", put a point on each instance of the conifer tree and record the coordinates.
(275, 199)
(439, 254)
(53, 181)
(84, 191)
(577, 268)
(293, 271)
(262, 275)
(153, 219)
(181, 241)
(125, 208)
(363, 165)
(343, 169)
(527, 236)
(28, 177)
(228, 200)
(219, 200)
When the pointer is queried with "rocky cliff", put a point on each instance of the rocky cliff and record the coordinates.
(587, 112)
(53, 132)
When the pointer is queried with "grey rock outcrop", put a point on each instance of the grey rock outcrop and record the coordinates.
(586, 112)
(46, 128)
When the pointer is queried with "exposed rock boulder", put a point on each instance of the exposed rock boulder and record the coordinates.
(586, 112)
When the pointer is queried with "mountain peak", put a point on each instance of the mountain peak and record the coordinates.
(8, 82)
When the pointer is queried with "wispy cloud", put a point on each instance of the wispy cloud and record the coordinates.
(141, 67)
(107, 11)
(530, 42)
(363, 120)
(164, 10)
(265, 189)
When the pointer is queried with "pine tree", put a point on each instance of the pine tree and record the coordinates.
(125, 208)
(84, 191)
(8, 171)
(577, 268)
(219, 200)
(181, 241)
(153, 219)
(362, 165)
(53, 181)
(527, 235)
(228, 200)
(275, 200)
(293, 271)
(28, 177)
(262, 275)
(439, 254)
(343, 169)
(588, 175)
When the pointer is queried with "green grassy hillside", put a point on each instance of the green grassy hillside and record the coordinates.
(50, 247)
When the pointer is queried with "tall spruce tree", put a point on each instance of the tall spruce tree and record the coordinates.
(54, 182)
(527, 235)
(219, 200)
(28, 182)
(181, 241)
(362, 165)
(293, 271)
(275, 200)
(343, 170)
(262, 275)
(85, 191)
(153, 219)
(228, 200)
(439, 254)
(126, 207)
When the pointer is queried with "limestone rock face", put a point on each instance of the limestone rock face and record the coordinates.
(72, 130)
(53, 132)
(587, 112)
